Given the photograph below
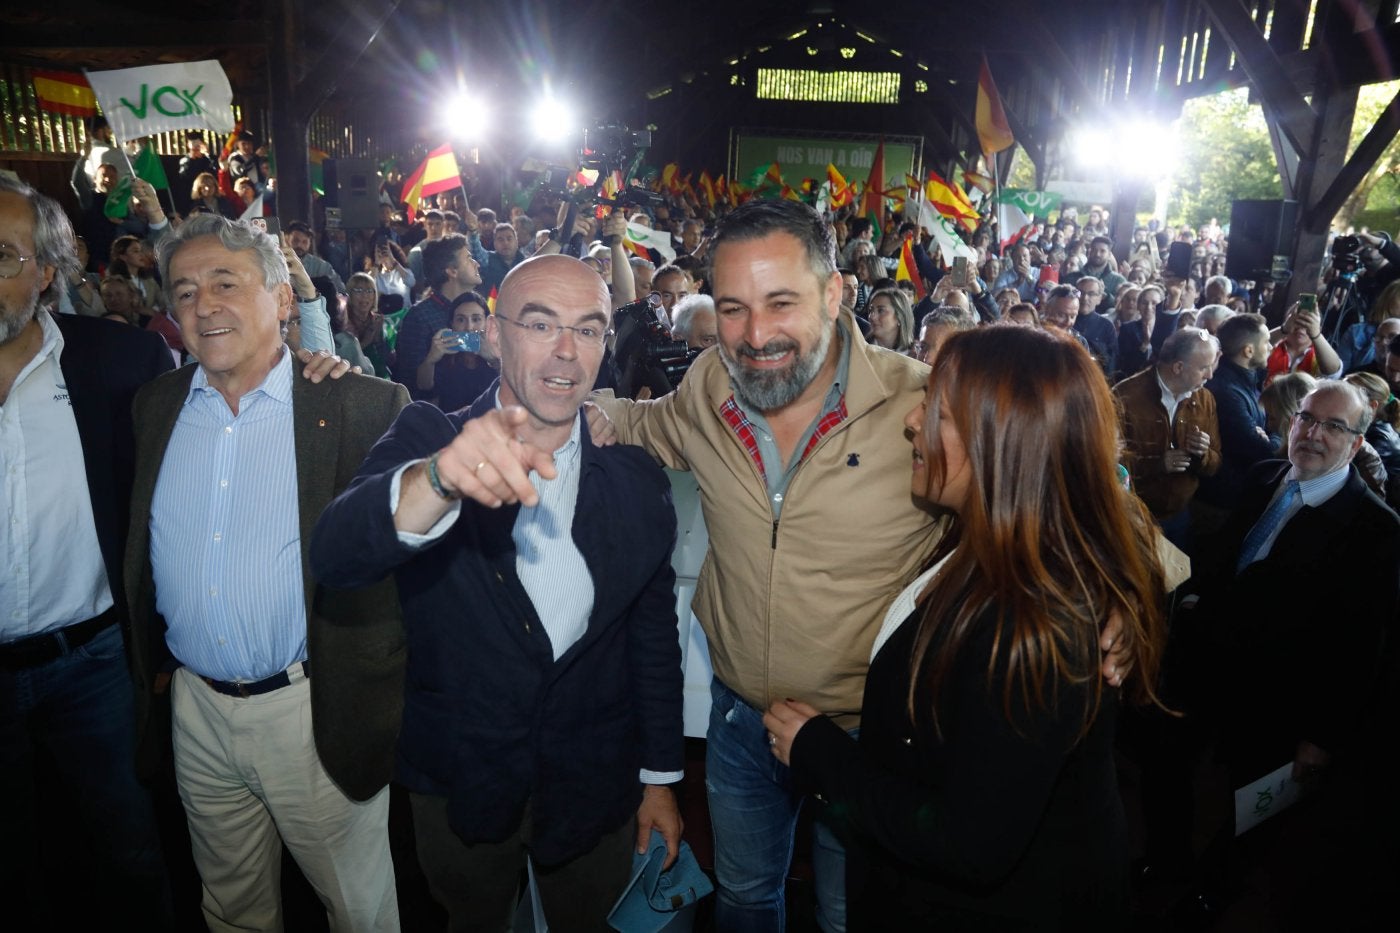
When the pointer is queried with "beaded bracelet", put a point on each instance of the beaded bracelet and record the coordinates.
(435, 481)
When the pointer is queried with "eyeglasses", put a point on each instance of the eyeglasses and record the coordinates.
(362, 290)
(543, 332)
(1332, 428)
(11, 261)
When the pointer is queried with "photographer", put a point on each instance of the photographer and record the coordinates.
(1361, 267)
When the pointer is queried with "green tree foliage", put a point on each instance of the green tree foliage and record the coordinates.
(1225, 156)
(1376, 199)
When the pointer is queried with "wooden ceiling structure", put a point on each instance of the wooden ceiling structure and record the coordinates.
(691, 69)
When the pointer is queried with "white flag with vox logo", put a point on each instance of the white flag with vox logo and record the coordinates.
(159, 98)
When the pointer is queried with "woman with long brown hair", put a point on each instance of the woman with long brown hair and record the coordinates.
(981, 792)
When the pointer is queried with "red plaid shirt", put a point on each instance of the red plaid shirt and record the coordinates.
(743, 428)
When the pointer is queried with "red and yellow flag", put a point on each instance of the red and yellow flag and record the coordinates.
(64, 92)
(951, 201)
(993, 131)
(841, 194)
(872, 202)
(707, 187)
(438, 173)
(979, 181)
(908, 270)
(669, 177)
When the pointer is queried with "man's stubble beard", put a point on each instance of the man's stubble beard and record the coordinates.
(12, 324)
(771, 390)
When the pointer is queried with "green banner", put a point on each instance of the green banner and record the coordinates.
(800, 158)
(1034, 203)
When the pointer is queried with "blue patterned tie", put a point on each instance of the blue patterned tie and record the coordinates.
(1267, 526)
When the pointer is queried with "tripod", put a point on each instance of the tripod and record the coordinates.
(1341, 306)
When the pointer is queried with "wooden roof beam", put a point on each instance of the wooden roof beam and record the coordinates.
(1296, 118)
(1361, 162)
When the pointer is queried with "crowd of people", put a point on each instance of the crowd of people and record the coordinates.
(945, 586)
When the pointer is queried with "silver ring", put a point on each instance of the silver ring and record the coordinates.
(772, 740)
(478, 467)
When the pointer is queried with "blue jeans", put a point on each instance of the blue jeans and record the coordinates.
(80, 842)
(753, 810)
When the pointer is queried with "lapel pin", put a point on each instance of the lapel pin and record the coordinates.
(853, 460)
(321, 423)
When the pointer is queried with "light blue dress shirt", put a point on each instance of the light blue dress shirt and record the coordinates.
(226, 533)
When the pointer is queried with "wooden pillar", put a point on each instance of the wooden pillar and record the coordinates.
(1336, 109)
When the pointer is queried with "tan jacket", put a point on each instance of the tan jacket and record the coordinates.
(791, 608)
(1147, 437)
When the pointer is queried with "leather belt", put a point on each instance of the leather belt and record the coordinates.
(46, 646)
(244, 690)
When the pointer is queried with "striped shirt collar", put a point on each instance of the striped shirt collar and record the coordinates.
(277, 385)
(1319, 489)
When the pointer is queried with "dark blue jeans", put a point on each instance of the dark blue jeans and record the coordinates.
(753, 811)
(80, 842)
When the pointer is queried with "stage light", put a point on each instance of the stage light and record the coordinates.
(1137, 148)
(553, 121)
(466, 116)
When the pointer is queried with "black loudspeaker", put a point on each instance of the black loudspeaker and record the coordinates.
(355, 187)
(1259, 231)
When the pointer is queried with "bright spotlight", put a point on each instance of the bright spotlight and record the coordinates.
(1150, 149)
(465, 115)
(1093, 148)
(552, 121)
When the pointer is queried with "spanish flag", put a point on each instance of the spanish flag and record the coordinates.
(707, 185)
(438, 173)
(670, 177)
(951, 201)
(993, 131)
(872, 202)
(908, 270)
(840, 191)
(65, 92)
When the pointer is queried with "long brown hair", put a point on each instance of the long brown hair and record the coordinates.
(1048, 538)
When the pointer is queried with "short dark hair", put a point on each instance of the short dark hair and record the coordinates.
(1239, 330)
(1102, 239)
(298, 226)
(759, 218)
(438, 256)
(433, 213)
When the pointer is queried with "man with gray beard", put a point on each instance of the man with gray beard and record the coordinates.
(791, 425)
(70, 802)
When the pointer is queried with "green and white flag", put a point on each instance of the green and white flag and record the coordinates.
(1017, 209)
(159, 98)
(659, 240)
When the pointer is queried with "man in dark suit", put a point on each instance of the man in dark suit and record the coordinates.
(72, 806)
(236, 458)
(1298, 609)
(543, 713)
(1305, 589)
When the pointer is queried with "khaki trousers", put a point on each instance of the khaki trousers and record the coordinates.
(251, 780)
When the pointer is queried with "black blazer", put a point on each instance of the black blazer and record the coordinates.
(990, 825)
(491, 721)
(104, 363)
(1302, 632)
